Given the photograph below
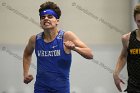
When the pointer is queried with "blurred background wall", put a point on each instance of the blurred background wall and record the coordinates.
(98, 23)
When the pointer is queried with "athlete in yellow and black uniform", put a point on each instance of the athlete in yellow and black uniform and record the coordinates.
(133, 63)
(130, 54)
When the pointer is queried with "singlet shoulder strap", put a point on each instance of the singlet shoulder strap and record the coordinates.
(60, 34)
(133, 35)
(134, 32)
(39, 35)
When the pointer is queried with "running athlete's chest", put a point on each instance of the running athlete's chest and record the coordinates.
(53, 49)
(134, 51)
(134, 47)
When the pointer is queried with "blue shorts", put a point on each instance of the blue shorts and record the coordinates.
(50, 91)
(41, 88)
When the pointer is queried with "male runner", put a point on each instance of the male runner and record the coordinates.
(131, 54)
(53, 51)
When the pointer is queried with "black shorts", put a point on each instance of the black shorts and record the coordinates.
(133, 87)
(132, 92)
